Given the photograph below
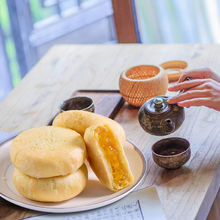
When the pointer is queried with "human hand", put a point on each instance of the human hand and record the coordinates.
(203, 73)
(203, 90)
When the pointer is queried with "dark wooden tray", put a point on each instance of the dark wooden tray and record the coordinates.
(107, 102)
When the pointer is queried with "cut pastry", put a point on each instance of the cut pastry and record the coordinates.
(48, 151)
(107, 158)
(81, 120)
(54, 189)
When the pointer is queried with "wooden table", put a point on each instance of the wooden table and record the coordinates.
(186, 193)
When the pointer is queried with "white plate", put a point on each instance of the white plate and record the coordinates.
(94, 196)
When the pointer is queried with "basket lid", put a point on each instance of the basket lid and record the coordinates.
(174, 64)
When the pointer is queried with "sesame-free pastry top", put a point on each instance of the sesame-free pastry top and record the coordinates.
(48, 151)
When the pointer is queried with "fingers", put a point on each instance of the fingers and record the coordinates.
(195, 102)
(187, 85)
(202, 73)
(188, 95)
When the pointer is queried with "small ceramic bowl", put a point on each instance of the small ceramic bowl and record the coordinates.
(171, 153)
(78, 103)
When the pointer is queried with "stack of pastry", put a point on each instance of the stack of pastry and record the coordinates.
(49, 163)
(105, 139)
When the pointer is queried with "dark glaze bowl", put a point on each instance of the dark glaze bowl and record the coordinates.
(78, 103)
(171, 153)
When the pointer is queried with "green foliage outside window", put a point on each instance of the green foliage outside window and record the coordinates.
(9, 44)
(38, 13)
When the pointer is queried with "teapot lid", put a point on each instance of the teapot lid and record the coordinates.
(157, 105)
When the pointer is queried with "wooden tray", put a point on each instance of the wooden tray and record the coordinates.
(107, 102)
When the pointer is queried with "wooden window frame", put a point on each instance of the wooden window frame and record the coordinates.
(125, 21)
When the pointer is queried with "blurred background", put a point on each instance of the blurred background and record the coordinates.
(29, 28)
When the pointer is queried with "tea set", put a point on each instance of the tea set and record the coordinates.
(145, 86)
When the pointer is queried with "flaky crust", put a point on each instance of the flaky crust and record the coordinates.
(99, 163)
(48, 151)
(96, 158)
(54, 189)
(79, 121)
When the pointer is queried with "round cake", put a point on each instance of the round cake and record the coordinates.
(54, 189)
(48, 152)
(79, 121)
(107, 158)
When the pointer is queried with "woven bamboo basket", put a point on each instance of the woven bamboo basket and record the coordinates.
(140, 83)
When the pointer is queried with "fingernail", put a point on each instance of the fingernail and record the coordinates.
(180, 104)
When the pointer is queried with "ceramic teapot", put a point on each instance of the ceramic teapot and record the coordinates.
(159, 118)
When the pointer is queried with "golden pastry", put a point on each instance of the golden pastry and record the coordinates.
(107, 158)
(54, 189)
(104, 139)
(80, 120)
(48, 151)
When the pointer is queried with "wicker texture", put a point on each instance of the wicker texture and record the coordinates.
(140, 83)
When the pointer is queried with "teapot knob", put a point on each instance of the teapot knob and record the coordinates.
(158, 102)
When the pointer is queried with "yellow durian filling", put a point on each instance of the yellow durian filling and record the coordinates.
(113, 153)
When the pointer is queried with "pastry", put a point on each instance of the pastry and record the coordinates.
(107, 158)
(53, 189)
(79, 121)
(104, 139)
(48, 151)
